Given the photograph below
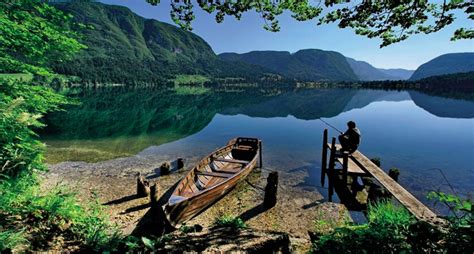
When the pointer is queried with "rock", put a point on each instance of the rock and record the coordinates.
(226, 240)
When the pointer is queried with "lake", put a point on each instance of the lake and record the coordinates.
(424, 136)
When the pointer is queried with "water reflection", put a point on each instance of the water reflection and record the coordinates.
(408, 130)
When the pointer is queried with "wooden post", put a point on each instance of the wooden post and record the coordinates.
(260, 154)
(331, 174)
(165, 168)
(143, 188)
(394, 173)
(270, 198)
(324, 156)
(180, 163)
(345, 162)
(154, 194)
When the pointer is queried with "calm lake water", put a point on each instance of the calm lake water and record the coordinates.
(417, 133)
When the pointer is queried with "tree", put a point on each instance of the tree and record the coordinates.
(33, 34)
(391, 21)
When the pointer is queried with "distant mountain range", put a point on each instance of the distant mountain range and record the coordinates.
(445, 64)
(367, 72)
(307, 64)
(125, 47)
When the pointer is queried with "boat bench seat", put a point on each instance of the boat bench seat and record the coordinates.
(223, 175)
(231, 160)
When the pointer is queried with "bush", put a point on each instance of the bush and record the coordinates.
(230, 221)
(386, 230)
(392, 229)
(30, 217)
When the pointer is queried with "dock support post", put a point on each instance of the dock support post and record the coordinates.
(165, 168)
(324, 156)
(180, 163)
(154, 194)
(143, 188)
(331, 174)
(271, 189)
(345, 162)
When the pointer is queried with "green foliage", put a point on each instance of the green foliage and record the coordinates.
(392, 229)
(21, 107)
(17, 76)
(391, 21)
(386, 230)
(230, 221)
(453, 202)
(32, 34)
(10, 239)
(32, 216)
(190, 80)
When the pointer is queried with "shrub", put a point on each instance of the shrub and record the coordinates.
(230, 221)
(386, 230)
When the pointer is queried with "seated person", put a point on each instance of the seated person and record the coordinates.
(350, 139)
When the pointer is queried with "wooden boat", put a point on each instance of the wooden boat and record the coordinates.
(212, 178)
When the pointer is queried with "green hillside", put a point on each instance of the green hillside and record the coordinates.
(445, 64)
(124, 47)
(307, 64)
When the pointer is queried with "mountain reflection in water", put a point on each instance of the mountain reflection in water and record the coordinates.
(408, 130)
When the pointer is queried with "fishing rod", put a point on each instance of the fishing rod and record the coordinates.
(328, 124)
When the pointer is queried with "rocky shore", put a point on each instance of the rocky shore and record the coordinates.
(298, 209)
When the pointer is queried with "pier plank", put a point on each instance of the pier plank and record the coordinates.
(358, 161)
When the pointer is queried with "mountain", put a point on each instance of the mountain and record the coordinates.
(443, 107)
(307, 64)
(399, 74)
(123, 47)
(367, 72)
(445, 64)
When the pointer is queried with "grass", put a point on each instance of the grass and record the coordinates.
(387, 229)
(190, 80)
(33, 218)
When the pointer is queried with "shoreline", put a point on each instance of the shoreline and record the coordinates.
(113, 183)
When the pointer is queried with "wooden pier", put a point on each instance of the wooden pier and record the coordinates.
(357, 164)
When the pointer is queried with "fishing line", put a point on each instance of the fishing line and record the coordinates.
(328, 124)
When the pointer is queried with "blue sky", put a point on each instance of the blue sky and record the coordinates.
(248, 34)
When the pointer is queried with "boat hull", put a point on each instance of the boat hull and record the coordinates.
(180, 209)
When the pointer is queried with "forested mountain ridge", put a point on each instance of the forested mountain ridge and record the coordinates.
(445, 64)
(402, 74)
(124, 47)
(307, 64)
(367, 72)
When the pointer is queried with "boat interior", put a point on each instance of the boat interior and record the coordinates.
(218, 167)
